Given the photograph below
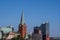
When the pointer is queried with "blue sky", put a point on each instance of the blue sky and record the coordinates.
(35, 12)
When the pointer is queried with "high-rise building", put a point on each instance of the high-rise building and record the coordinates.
(37, 35)
(22, 27)
(36, 29)
(45, 31)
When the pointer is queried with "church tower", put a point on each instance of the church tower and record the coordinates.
(22, 27)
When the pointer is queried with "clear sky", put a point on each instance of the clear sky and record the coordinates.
(35, 12)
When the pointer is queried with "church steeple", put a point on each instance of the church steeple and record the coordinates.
(22, 27)
(22, 18)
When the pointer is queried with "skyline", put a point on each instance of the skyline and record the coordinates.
(35, 12)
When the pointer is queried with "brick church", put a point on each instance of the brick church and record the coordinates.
(22, 27)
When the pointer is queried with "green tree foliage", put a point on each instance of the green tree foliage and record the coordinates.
(22, 39)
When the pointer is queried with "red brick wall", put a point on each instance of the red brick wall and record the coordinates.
(22, 30)
(47, 38)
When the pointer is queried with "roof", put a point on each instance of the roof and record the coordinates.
(22, 19)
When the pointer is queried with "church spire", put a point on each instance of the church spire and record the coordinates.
(22, 19)
(22, 26)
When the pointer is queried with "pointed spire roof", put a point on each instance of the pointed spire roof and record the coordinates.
(22, 19)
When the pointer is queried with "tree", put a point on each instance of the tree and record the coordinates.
(22, 39)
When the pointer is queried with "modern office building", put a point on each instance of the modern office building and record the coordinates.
(44, 28)
(37, 35)
(45, 31)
